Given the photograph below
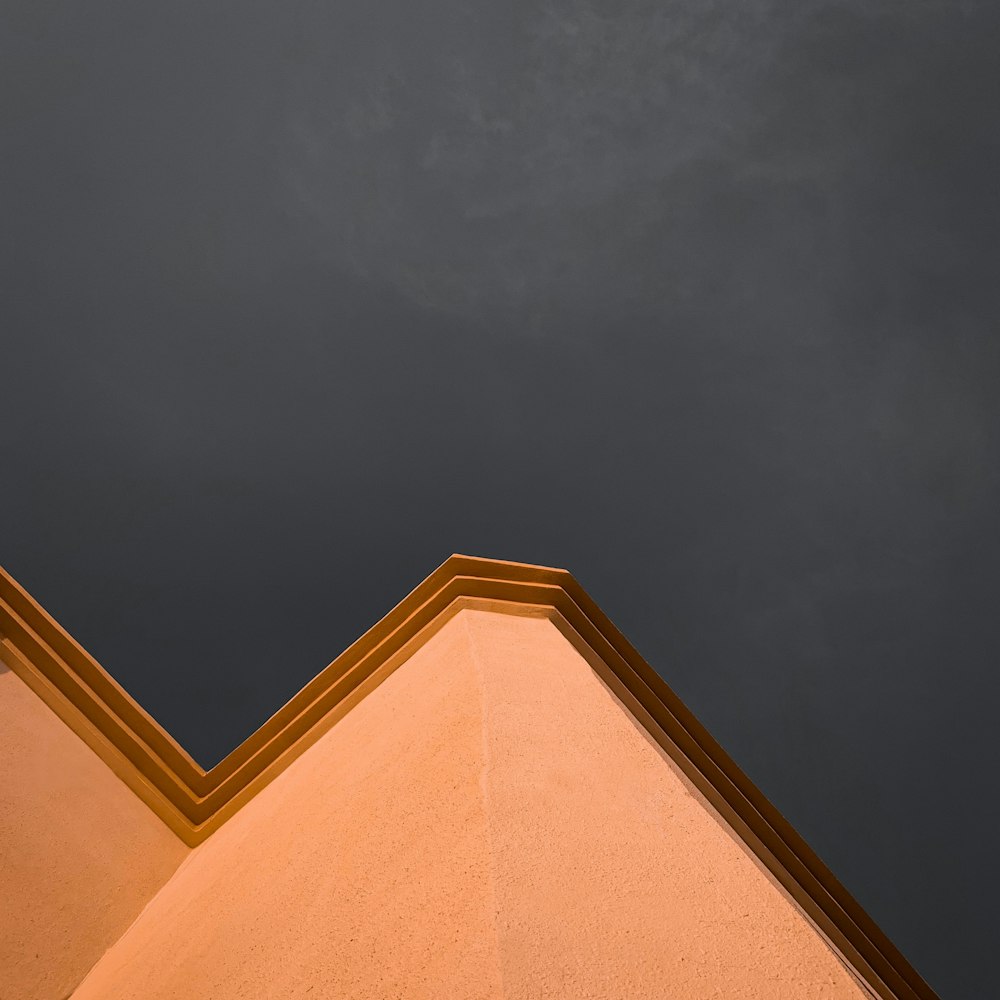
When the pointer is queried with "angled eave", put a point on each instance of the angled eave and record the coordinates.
(195, 802)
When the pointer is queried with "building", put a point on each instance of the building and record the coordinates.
(489, 795)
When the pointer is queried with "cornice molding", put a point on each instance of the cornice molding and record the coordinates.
(194, 802)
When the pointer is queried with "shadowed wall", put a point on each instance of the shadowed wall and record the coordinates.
(81, 854)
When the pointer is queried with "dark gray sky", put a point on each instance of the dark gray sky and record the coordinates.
(696, 299)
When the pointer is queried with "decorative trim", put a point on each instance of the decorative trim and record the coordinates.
(194, 802)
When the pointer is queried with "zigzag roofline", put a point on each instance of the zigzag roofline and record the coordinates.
(194, 802)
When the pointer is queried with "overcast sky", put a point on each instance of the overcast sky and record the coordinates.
(698, 300)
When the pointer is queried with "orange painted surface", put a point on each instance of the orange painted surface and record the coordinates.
(489, 822)
(81, 854)
(363, 870)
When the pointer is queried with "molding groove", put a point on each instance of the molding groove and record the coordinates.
(194, 802)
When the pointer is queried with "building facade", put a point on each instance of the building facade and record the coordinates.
(489, 795)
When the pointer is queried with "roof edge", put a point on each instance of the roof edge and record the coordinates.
(194, 802)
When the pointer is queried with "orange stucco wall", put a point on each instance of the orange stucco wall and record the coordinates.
(489, 822)
(81, 853)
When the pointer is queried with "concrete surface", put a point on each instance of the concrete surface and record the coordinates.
(489, 822)
(81, 854)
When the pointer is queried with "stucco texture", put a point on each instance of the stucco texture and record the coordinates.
(489, 822)
(81, 854)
